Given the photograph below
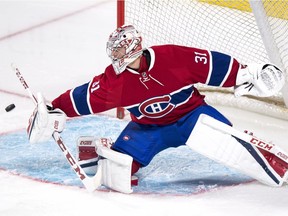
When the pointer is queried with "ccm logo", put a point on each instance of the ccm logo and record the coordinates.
(261, 144)
(71, 160)
(86, 142)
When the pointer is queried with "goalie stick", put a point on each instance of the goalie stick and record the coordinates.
(252, 140)
(90, 183)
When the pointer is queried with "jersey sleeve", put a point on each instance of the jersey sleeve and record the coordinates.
(202, 66)
(92, 97)
(222, 71)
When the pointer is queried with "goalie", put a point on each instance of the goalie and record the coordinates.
(156, 85)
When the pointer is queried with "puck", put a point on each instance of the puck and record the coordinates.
(10, 107)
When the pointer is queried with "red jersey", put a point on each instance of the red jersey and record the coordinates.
(160, 92)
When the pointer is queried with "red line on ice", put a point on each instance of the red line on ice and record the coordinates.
(50, 21)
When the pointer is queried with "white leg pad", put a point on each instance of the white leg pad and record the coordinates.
(223, 148)
(116, 169)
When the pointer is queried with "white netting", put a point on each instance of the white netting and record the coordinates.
(278, 21)
(214, 27)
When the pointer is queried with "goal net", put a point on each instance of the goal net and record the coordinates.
(250, 31)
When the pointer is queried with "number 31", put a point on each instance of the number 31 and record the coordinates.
(201, 57)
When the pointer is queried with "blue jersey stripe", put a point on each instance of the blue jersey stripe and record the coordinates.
(256, 156)
(135, 111)
(79, 95)
(177, 98)
(182, 96)
(220, 68)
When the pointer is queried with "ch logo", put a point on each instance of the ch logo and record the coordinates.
(156, 107)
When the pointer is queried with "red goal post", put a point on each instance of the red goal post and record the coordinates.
(249, 30)
(120, 111)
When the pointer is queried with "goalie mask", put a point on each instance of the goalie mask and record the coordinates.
(124, 47)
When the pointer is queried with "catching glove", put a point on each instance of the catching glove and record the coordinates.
(262, 80)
